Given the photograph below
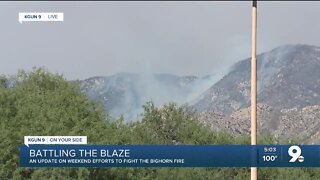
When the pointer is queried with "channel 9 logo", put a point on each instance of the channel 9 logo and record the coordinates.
(295, 152)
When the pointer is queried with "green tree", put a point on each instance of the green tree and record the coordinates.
(41, 104)
(172, 124)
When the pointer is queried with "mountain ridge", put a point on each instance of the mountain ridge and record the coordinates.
(288, 95)
(232, 92)
(288, 84)
(126, 93)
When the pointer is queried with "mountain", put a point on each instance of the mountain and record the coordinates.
(126, 93)
(288, 95)
(288, 77)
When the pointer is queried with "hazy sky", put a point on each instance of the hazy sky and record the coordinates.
(183, 38)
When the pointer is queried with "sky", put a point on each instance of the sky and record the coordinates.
(182, 38)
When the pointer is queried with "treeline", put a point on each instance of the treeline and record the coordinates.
(45, 104)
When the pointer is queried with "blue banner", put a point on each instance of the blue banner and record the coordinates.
(170, 156)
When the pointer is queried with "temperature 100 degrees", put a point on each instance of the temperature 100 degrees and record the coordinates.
(269, 157)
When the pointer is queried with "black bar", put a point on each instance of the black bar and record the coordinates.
(254, 4)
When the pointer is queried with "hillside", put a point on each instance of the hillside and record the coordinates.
(288, 95)
(126, 93)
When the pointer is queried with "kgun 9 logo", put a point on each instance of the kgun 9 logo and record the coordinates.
(295, 153)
